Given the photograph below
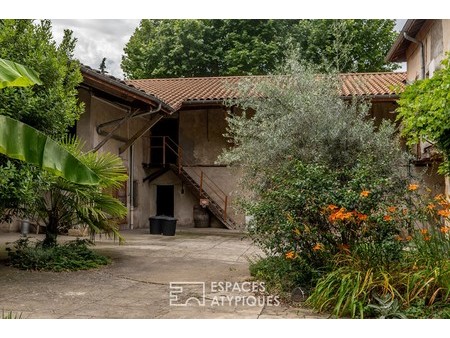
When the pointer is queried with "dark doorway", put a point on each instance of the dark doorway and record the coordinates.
(165, 127)
(164, 200)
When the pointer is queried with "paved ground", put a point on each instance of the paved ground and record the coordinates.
(137, 283)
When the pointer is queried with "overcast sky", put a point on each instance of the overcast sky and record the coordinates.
(98, 39)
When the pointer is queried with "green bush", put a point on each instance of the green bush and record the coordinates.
(332, 193)
(328, 176)
(282, 276)
(70, 256)
(417, 285)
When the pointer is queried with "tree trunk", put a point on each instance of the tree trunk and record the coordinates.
(52, 230)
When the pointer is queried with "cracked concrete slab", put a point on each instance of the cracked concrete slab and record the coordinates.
(137, 284)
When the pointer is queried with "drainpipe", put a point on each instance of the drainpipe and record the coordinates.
(422, 49)
(131, 188)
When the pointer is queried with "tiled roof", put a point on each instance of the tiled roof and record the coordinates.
(372, 84)
(176, 91)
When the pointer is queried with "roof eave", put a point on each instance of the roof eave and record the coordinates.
(91, 77)
(380, 97)
(396, 54)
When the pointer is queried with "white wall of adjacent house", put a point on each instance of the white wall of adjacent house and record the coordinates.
(435, 36)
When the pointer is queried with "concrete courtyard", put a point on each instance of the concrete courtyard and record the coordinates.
(208, 269)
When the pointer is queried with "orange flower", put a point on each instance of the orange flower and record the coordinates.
(408, 238)
(340, 215)
(413, 187)
(398, 238)
(362, 217)
(387, 218)
(290, 255)
(426, 238)
(364, 193)
(445, 229)
(431, 206)
(423, 231)
(391, 209)
(332, 207)
(439, 197)
(444, 213)
(318, 246)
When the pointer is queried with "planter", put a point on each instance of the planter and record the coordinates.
(25, 227)
(201, 217)
(155, 225)
(168, 225)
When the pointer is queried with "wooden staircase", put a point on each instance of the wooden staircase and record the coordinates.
(201, 186)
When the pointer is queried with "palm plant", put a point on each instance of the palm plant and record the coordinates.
(67, 204)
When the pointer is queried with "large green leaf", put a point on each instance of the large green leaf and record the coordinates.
(22, 142)
(16, 75)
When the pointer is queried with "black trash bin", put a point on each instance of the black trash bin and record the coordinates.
(168, 225)
(155, 225)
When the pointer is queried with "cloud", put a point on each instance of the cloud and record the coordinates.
(97, 39)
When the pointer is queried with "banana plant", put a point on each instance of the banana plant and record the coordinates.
(13, 74)
(23, 142)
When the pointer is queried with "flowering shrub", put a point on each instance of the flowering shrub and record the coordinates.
(418, 279)
(330, 195)
(308, 213)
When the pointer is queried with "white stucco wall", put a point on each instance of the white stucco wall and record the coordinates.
(98, 111)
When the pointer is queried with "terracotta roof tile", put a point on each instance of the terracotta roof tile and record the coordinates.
(176, 91)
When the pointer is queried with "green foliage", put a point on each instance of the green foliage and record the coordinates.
(70, 256)
(346, 290)
(19, 184)
(16, 75)
(424, 111)
(282, 276)
(66, 204)
(25, 143)
(328, 175)
(186, 48)
(416, 286)
(386, 307)
(350, 290)
(332, 197)
(346, 45)
(52, 107)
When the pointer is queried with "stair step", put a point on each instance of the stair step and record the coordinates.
(213, 206)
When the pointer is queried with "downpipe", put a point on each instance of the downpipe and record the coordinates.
(131, 188)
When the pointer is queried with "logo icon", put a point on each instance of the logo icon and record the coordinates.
(183, 293)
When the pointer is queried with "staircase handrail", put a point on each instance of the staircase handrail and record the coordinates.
(205, 180)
